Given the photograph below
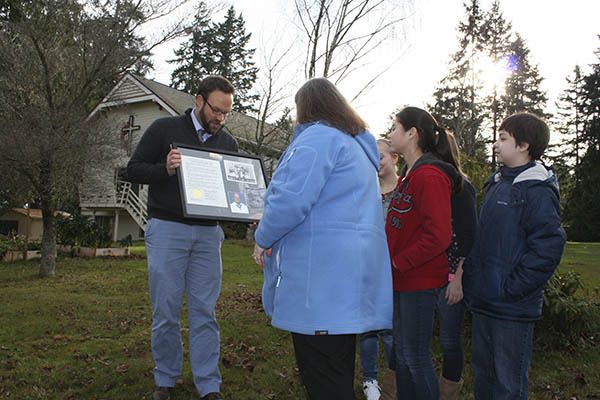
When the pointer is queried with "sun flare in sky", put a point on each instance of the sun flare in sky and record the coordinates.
(493, 73)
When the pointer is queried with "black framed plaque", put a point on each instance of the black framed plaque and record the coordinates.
(221, 185)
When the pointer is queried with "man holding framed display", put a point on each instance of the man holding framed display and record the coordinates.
(184, 252)
(221, 185)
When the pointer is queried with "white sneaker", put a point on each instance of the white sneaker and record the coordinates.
(371, 389)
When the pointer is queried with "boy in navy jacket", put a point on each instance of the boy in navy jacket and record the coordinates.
(518, 245)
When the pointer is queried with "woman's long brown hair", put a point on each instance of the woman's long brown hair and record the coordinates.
(319, 100)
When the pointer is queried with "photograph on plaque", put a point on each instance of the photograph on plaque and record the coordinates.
(221, 185)
(239, 172)
(237, 203)
(255, 197)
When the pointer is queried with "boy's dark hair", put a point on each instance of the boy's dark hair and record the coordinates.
(528, 128)
(212, 83)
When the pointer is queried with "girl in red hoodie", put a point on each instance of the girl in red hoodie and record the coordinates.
(419, 230)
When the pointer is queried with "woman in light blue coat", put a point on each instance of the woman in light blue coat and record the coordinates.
(328, 276)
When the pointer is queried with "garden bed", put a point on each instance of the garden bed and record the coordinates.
(83, 251)
(16, 255)
(102, 252)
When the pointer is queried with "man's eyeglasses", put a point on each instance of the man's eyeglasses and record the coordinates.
(216, 110)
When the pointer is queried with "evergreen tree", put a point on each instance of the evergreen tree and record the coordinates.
(495, 37)
(564, 154)
(568, 122)
(460, 100)
(195, 57)
(220, 49)
(457, 100)
(570, 118)
(522, 92)
(495, 33)
(234, 60)
(581, 215)
(591, 107)
(582, 210)
(470, 31)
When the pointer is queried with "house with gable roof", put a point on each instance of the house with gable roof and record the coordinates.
(109, 198)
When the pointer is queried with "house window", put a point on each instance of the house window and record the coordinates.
(9, 227)
(121, 174)
(104, 221)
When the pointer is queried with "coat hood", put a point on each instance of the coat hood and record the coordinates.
(537, 173)
(365, 139)
(368, 143)
(448, 169)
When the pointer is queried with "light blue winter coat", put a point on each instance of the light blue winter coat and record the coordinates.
(329, 271)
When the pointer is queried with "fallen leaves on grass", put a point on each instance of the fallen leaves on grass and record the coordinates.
(239, 356)
(122, 368)
(240, 301)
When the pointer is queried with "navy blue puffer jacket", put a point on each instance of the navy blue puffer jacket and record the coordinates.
(518, 245)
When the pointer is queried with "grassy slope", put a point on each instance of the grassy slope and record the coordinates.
(85, 335)
(583, 258)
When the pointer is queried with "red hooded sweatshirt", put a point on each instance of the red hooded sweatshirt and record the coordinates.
(419, 228)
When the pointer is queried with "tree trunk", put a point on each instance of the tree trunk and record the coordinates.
(48, 263)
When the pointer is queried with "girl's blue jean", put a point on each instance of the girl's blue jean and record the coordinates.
(451, 330)
(413, 329)
(369, 351)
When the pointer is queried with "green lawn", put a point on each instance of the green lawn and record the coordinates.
(85, 334)
(583, 258)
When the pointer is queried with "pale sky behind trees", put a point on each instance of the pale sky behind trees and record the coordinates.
(559, 35)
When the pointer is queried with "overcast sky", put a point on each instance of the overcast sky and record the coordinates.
(559, 34)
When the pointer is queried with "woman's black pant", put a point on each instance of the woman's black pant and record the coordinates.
(326, 365)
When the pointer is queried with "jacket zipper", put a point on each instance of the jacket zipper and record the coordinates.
(278, 263)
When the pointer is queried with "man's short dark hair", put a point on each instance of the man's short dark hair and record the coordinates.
(212, 83)
(528, 128)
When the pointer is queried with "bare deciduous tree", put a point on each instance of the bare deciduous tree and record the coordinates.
(57, 59)
(274, 91)
(341, 34)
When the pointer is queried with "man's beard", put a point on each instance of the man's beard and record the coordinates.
(209, 127)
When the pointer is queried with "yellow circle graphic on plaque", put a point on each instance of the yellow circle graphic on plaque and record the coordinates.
(197, 194)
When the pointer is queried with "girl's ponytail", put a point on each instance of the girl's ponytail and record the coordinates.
(446, 149)
(432, 138)
(442, 147)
